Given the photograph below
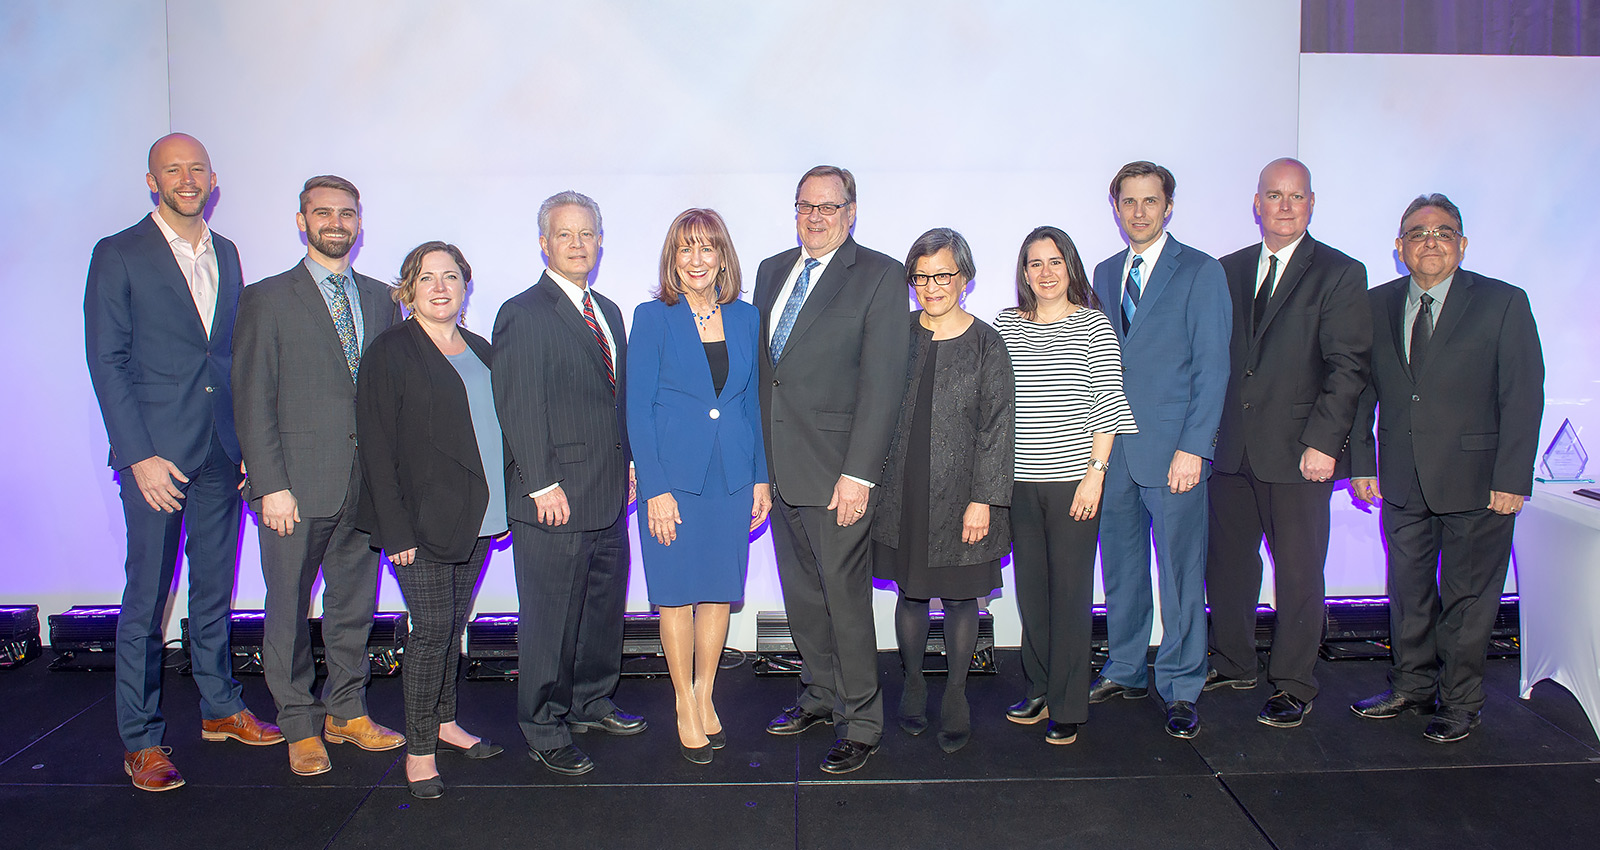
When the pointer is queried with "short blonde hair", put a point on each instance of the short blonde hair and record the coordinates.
(699, 227)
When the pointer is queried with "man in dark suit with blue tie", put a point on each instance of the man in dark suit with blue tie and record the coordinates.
(158, 326)
(560, 354)
(1169, 305)
(835, 345)
(296, 356)
(1457, 390)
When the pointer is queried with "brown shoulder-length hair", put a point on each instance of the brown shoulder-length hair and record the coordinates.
(405, 287)
(1078, 289)
(699, 227)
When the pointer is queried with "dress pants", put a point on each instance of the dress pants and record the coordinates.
(1130, 514)
(349, 595)
(572, 590)
(208, 526)
(826, 573)
(1294, 519)
(1446, 574)
(1053, 561)
(438, 598)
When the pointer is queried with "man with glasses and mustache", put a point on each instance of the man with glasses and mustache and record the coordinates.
(835, 341)
(1458, 383)
(297, 350)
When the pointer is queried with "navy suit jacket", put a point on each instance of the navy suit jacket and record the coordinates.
(163, 387)
(676, 417)
(1174, 357)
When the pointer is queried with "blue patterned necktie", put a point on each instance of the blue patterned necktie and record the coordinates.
(1130, 294)
(344, 321)
(791, 310)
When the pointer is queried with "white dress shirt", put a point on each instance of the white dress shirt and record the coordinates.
(198, 262)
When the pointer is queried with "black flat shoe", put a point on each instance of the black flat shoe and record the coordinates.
(1389, 704)
(698, 755)
(483, 749)
(567, 761)
(1182, 719)
(1029, 711)
(952, 740)
(914, 725)
(615, 723)
(847, 755)
(718, 740)
(1284, 711)
(793, 721)
(431, 788)
(1060, 733)
(1104, 689)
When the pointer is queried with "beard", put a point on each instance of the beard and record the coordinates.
(331, 249)
(188, 209)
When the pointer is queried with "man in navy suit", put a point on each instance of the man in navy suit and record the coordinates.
(1169, 305)
(158, 326)
(560, 377)
(1458, 392)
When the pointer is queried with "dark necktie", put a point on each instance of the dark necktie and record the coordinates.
(599, 337)
(1264, 294)
(1130, 294)
(791, 310)
(1421, 333)
(344, 321)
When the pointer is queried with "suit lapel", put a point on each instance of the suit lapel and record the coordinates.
(682, 337)
(310, 296)
(1450, 313)
(1293, 272)
(766, 296)
(376, 307)
(1397, 324)
(1156, 284)
(229, 283)
(447, 386)
(738, 356)
(159, 254)
(572, 316)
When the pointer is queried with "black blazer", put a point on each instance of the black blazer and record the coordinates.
(828, 407)
(1469, 423)
(425, 485)
(562, 421)
(1295, 382)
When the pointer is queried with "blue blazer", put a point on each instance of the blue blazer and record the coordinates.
(1174, 357)
(674, 415)
(164, 387)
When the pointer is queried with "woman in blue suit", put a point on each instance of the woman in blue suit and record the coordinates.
(695, 426)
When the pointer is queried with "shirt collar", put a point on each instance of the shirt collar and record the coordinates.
(1149, 257)
(320, 273)
(172, 235)
(1285, 253)
(1438, 292)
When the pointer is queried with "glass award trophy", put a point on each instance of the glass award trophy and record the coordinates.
(1565, 458)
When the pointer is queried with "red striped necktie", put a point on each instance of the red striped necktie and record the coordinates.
(599, 337)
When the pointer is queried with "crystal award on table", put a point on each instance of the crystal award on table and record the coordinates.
(1565, 458)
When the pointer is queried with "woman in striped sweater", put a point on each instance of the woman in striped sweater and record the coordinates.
(1070, 407)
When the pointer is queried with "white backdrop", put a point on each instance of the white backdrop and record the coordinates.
(455, 122)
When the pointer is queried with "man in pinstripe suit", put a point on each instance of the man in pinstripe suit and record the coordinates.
(560, 350)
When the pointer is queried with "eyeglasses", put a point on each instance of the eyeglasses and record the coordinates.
(804, 208)
(1445, 235)
(942, 278)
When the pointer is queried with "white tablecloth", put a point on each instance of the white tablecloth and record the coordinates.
(1557, 555)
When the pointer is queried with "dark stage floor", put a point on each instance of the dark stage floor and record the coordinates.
(1529, 777)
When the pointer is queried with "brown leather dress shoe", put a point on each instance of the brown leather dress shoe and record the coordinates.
(243, 727)
(309, 757)
(362, 732)
(151, 769)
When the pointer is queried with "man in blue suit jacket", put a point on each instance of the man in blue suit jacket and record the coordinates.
(158, 327)
(1169, 305)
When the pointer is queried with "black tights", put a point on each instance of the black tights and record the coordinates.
(960, 642)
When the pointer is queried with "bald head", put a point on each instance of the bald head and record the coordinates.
(180, 175)
(1283, 202)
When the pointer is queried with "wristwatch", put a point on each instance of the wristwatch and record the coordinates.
(1097, 464)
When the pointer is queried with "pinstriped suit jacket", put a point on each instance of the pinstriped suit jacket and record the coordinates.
(561, 419)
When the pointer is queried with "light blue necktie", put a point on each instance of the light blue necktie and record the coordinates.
(344, 321)
(792, 309)
(1130, 294)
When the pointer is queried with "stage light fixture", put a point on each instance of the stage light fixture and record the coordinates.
(1358, 628)
(84, 637)
(19, 635)
(776, 654)
(247, 634)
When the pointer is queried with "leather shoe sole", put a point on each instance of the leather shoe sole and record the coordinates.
(1216, 680)
(1283, 711)
(1105, 689)
(1028, 711)
(793, 721)
(1389, 705)
(616, 723)
(1061, 734)
(1447, 727)
(309, 757)
(243, 727)
(567, 761)
(847, 756)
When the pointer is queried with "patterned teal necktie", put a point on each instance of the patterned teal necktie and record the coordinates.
(344, 322)
(791, 310)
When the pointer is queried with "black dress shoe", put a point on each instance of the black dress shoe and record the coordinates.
(431, 788)
(483, 749)
(567, 761)
(1104, 689)
(914, 725)
(1284, 710)
(1029, 711)
(1451, 724)
(1389, 705)
(698, 755)
(1216, 680)
(1060, 733)
(1182, 720)
(793, 721)
(846, 755)
(718, 740)
(615, 723)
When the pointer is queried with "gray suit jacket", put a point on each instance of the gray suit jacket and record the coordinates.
(294, 403)
(829, 405)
